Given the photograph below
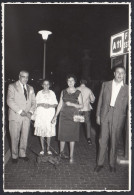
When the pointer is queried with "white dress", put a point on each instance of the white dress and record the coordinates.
(44, 116)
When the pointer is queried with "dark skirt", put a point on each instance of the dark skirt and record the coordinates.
(68, 129)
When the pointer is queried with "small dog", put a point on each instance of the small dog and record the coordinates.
(53, 159)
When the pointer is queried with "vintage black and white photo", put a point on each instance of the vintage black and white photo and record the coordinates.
(66, 96)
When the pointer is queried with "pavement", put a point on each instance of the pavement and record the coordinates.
(78, 176)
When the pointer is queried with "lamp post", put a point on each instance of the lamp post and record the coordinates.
(45, 34)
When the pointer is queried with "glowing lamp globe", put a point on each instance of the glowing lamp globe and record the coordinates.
(45, 34)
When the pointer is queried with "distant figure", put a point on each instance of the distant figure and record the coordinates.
(88, 98)
(45, 102)
(111, 115)
(70, 102)
(21, 102)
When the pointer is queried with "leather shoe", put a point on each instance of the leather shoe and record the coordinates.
(25, 158)
(89, 141)
(112, 169)
(71, 160)
(14, 160)
(63, 155)
(98, 168)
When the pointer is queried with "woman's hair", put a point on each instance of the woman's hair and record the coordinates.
(71, 76)
(50, 84)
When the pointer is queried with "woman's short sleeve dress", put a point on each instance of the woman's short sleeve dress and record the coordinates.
(68, 129)
(44, 116)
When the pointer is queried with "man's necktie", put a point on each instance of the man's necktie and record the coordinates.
(25, 92)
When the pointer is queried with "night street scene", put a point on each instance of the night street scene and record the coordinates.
(66, 97)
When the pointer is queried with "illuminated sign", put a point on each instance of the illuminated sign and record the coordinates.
(119, 44)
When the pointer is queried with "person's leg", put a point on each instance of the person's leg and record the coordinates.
(113, 142)
(62, 153)
(62, 146)
(71, 151)
(115, 134)
(88, 127)
(88, 124)
(48, 145)
(42, 143)
(14, 129)
(24, 136)
(103, 143)
(113, 146)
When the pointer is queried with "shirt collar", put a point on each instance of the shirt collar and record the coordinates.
(119, 84)
(22, 85)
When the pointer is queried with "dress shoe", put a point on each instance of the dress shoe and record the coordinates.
(89, 141)
(49, 152)
(42, 152)
(25, 158)
(98, 168)
(71, 160)
(14, 160)
(112, 169)
(63, 155)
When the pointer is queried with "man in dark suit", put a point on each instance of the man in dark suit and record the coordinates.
(21, 102)
(111, 115)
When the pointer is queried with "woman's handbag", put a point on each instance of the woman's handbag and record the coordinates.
(78, 117)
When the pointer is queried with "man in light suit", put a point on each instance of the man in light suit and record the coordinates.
(111, 115)
(21, 102)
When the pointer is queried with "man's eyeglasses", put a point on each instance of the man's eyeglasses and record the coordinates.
(24, 76)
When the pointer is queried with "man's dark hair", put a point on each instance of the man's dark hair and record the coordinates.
(83, 81)
(119, 66)
(24, 71)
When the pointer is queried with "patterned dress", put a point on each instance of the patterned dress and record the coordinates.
(68, 129)
(44, 116)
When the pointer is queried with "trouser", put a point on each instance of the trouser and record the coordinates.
(108, 130)
(19, 131)
(87, 122)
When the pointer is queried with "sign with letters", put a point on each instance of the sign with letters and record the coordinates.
(119, 44)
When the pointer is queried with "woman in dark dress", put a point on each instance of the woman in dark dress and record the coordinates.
(70, 102)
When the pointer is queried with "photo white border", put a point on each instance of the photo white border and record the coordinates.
(130, 132)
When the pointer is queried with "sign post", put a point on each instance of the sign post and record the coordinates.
(119, 44)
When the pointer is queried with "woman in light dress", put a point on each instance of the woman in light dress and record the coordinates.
(46, 102)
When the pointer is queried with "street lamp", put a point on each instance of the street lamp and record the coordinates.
(45, 34)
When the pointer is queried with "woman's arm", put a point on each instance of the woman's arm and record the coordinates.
(59, 105)
(99, 105)
(58, 108)
(92, 97)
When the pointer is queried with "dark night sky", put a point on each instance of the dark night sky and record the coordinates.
(74, 27)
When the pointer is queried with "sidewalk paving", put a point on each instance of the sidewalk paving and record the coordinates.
(78, 176)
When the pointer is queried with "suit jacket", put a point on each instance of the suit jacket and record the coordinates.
(17, 101)
(121, 104)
